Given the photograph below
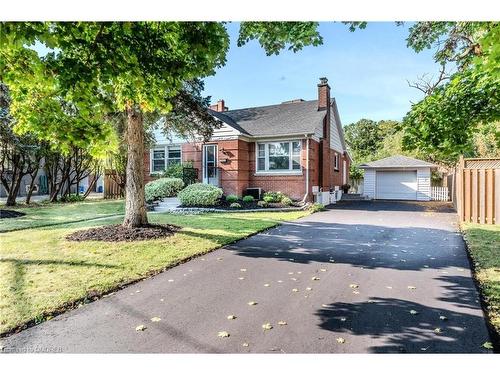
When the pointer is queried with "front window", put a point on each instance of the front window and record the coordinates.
(336, 163)
(162, 158)
(278, 156)
(158, 160)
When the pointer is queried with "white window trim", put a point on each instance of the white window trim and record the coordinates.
(277, 172)
(336, 161)
(165, 149)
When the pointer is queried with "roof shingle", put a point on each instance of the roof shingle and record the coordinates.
(397, 161)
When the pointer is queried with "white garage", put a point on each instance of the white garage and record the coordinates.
(398, 178)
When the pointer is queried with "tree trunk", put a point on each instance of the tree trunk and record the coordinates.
(13, 191)
(135, 202)
(32, 186)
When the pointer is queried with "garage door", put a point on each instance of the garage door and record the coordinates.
(397, 185)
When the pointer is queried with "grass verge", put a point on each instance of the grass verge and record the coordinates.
(483, 242)
(43, 274)
(41, 215)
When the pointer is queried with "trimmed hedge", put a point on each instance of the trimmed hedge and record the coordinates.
(200, 195)
(273, 196)
(248, 199)
(162, 188)
(231, 198)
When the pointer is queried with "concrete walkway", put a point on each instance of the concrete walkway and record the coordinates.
(363, 277)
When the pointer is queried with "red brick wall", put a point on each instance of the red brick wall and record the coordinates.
(238, 173)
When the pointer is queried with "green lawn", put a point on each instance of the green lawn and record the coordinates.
(40, 271)
(484, 245)
(56, 213)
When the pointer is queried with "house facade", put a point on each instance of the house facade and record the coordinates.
(295, 147)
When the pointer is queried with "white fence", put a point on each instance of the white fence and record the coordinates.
(440, 193)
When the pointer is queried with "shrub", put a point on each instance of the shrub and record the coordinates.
(235, 205)
(162, 188)
(273, 196)
(72, 198)
(231, 198)
(200, 195)
(188, 175)
(262, 204)
(316, 207)
(248, 199)
(286, 201)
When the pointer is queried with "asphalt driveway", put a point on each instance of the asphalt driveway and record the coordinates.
(362, 277)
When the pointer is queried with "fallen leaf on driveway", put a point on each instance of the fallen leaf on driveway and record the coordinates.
(291, 259)
(241, 278)
(280, 281)
(266, 285)
(142, 327)
(282, 323)
(323, 305)
(412, 287)
(437, 330)
(341, 340)
(370, 301)
(171, 281)
(219, 258)
(355, 292)
(231, 317)
(137, 291)
(290, 273)
(299, 272)
(442, 317)
(488, 345)
(267, 326)
(245, 344)
(243, 269)
(314, 278)
(295, 290)
(161, 300)
(252, 303)
(354, 286)
(332, 261)
(155, 319)
(293, 279)
(309, 288)
(343, 319)
(389, 287)
(413, 312)
(223, 334)
(322, 269)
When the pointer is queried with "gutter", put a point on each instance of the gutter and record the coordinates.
(307, 168)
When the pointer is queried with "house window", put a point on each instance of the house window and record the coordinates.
(336, 162)
(162, 158)
(174, 155)
(278, 156)
(158, 161)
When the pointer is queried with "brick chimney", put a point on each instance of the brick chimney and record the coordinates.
(323, 94)
(219, 106)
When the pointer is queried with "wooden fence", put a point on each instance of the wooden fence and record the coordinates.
(477, 191)
(112, 190)
(440, 193)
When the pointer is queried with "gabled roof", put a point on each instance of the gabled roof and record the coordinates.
(397, 161)
(301, 117)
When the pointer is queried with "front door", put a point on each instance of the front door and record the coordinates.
(210, 170)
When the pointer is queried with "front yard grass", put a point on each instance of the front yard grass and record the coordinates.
(41, 272)
(38, 215)
(484, 246)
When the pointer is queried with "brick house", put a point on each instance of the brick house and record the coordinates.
(295, 147)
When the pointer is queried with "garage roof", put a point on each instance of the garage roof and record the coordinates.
(397, 161)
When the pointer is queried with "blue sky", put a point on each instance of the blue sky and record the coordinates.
(367, 71)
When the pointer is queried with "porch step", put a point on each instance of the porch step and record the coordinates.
(167, 204)
(353, 197)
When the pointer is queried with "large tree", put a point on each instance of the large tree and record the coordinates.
(443, 123)
(136, 68)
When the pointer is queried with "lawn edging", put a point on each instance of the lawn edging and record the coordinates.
(494, 334)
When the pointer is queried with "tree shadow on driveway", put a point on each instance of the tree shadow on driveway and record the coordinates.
(390, 324)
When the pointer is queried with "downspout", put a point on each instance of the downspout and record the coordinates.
(307, 169)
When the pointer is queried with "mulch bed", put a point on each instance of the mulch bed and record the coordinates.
(224, 205)
(116, 233)
(9, 214)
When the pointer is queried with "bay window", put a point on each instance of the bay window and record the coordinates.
(278, 156)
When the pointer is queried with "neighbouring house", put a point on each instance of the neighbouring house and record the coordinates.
(398, 177)
(295, 147)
